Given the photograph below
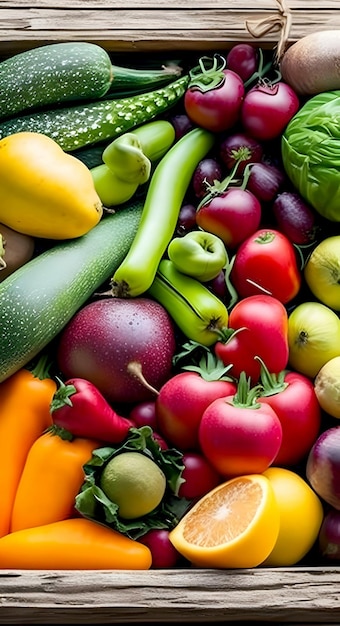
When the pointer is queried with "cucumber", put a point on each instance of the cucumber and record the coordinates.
(38, 299)
(89, 123)
(53, 74)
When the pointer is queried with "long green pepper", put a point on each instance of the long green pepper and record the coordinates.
(166, 192)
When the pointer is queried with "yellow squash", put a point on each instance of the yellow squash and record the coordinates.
(44, 191)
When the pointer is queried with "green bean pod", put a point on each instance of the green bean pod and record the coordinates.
(168, 186)
(198, 312)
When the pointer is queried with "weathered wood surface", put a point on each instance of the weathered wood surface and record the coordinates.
(292, 596)
(146, 25)
(285, 595)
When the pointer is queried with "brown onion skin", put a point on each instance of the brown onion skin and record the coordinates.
(311, 65)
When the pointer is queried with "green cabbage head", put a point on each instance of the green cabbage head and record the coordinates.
(311, 153)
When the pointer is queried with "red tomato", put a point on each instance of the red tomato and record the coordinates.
(214, 97)
(233, 216)
(199, 476)
(293, 398)
(267, 108)
(239, 436)
(266, 262)
(180, 404)
(258, 326)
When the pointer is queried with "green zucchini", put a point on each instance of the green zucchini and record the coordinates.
(53, 74)
(63, 72)
(38, 299)
(130, 81)
(85, 124)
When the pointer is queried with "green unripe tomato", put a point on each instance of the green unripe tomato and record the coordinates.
(199, 254)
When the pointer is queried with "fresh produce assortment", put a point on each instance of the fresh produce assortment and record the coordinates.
(169, 300)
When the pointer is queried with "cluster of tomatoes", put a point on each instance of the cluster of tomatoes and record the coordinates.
(241, 406)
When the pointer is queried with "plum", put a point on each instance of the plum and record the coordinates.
(123, 346)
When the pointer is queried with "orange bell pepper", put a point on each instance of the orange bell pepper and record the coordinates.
(72, 544)
(25, 399)
(51, 478)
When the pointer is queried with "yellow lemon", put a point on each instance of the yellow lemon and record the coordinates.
(235, 525)
(301, 516)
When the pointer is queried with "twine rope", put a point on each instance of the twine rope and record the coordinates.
(279, 22)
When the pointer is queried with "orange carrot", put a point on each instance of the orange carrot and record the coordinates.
(51, 478)
(71, 544)
(25, 399)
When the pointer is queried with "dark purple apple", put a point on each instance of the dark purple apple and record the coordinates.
(123, 346)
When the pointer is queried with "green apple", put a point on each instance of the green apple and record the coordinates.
(322, 272)
(313, 337)
(199, 254)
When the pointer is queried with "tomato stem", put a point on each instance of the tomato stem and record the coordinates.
(208, 74)
(246, 396)
(261, 70)
(271, 383)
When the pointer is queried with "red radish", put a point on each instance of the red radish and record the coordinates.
(219, 286)
(240, 148)
(182, 124)
(79, 407)
(186, 219)
(199, 476)
(206, 172)
(160, 440)
(180, 404)
(164, 554)
(233, 215)
(144, 414)
(323, 466)
(123, 346)
(295, 218)
(243, 59)
(265, 181)
(329, 535)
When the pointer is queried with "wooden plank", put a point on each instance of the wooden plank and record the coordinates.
(286, 595)
(150, 26)
(292, 596)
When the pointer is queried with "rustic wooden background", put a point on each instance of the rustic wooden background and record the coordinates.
(283, 596)
(294, 596)
(146, 25)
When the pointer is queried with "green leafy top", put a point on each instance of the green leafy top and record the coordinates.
(91, 501)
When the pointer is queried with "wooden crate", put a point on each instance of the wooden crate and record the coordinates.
(294, 595)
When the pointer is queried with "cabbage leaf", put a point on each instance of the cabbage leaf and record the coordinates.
(310, 148)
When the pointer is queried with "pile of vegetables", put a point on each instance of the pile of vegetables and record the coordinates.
(169, 286)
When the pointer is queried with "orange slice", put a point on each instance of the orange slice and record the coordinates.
(235, 525)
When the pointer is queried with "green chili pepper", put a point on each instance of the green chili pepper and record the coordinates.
(127, 161)
(167, 189)
(198, 312)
